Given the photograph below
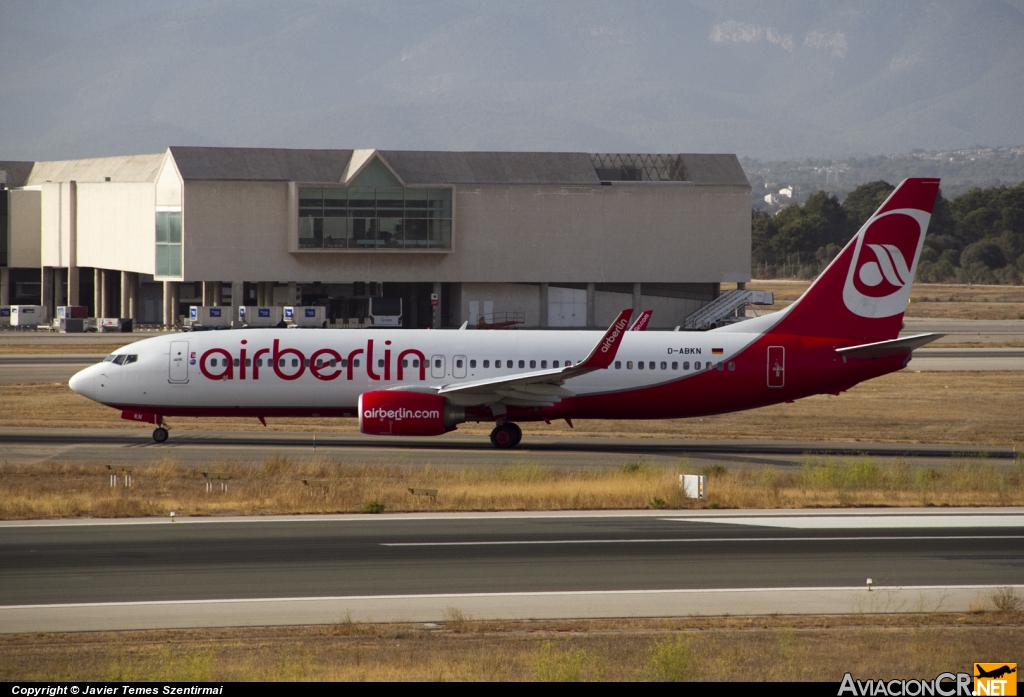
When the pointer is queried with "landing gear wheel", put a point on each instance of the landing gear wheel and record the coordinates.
(160, 434)
(506, 436)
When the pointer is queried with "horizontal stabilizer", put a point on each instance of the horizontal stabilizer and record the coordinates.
(895, 347)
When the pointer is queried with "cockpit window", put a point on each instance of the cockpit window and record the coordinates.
(109, 358)
(130, 358)
(119, 360)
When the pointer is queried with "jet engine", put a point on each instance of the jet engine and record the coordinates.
(397, 413)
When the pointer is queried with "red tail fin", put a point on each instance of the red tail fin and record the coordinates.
(863, 293)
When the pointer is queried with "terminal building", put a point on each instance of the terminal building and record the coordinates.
(529, 239)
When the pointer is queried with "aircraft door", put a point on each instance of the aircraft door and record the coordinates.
(776, 366)
(179, 359)
(459, 366)
(437, 366)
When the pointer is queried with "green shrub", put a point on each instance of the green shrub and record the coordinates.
(671, 660)
(374, 506)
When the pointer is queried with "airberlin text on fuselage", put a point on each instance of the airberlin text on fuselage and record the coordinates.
(280, 361)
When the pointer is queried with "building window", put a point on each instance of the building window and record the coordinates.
(168, 243)
(367, 218)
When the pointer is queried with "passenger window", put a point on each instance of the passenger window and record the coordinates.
(295, 362)
(618, 365)
(651, 365)
(437, 363)
(405, 362)
(380, 362)
(259, 362)
(639, 365)
(675, 365)
(543, 364)
(236, 362)
(568, 364)
(508, 364)
(533, 364)
(334, 363)
(280, 362)
(487, 364)
(458, 363)
(664, 365)
(522, 364)
(696, 365)
(554, 364)
(472, 363)
(629, 365)
(686, 365)
(415, 362)
(732, 366)
(355, 363)
(344, 362)
(720, 365)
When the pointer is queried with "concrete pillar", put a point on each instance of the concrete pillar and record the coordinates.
(637, 301)
(133, 297)
(73, 243)
(97, 293)
(104, 306)
(170, 303)
(5, 286)
(58, 289)
(237, 299)
(412, 319)
(73, 295)
(206, 294)
(543, 306)
(436, 321)
(293, 293)
(218, 293)
(46, 291)
(591, 306)
(126, 294)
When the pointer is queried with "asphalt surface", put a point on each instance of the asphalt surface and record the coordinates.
(20, 446)
(353, 556)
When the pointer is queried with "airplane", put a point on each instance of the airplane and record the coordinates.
(995, 673)
(843, 330)
(642, 321)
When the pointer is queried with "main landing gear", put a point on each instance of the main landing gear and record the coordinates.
(506, 436)
(160, 434)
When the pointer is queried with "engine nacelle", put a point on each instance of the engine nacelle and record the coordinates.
(397, 413)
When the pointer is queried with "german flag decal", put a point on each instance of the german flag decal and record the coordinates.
(717, 352)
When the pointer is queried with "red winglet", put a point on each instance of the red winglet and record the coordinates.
(642, 321)
(604, 353)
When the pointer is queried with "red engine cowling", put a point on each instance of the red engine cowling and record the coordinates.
(395, 413)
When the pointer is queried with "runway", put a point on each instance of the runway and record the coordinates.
(91, 575)
(23, 446)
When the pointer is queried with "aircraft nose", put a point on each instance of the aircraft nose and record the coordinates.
(84, 382)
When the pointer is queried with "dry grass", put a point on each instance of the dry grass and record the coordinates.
(968, 408)
(933, 300)
(706, 649)
(53, 347)
(276, 486)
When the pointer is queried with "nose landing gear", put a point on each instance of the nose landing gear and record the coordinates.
(160, 434)
(506, 436)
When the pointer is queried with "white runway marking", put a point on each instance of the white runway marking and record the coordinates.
(864, 522)
(499, 543)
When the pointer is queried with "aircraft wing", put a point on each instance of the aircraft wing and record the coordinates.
(895, 347)
(542, 387)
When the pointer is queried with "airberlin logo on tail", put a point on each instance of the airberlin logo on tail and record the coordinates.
(609, 341)
(878, 283)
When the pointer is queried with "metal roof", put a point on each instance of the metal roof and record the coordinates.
(127, 168)
(260, 164)
(13, 173)
(412, 166)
